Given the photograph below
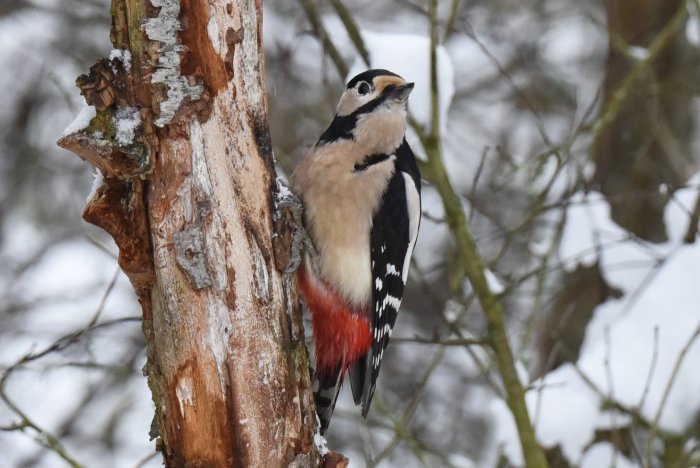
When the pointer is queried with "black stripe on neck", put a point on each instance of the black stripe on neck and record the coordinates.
(370, 160)
(343, 125)
(340, 129)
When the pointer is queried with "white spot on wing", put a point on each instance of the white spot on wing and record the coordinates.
(394, 302)
(378, 284)
(391, 270)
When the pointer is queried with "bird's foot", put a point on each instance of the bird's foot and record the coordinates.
(291, 238)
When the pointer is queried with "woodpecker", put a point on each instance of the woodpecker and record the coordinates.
(360, 188)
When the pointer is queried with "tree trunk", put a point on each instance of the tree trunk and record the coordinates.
(181, 138)
(647, 142)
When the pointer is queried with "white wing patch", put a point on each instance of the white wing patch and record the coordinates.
(394, 302)
(413, 205)
(391, 270)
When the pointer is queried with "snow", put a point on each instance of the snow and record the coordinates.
(283, 191)
(631, 349)
(568, 40)
(678, 210)
(632, 344)
(495, 285)
(460, 461)
(452, 310)
(81, 121)
(507, 436)
(692, 28)
(124, 55)
(97, 181)
(639, 53)
(126, 121)
(588, 227)
(408, 55)
(319, 440)
(564, 398)
(590, 236)
(603, 454)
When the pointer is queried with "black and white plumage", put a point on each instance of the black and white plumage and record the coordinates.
(394, 231)
(360, 187)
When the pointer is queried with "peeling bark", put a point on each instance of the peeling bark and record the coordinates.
(188, 199)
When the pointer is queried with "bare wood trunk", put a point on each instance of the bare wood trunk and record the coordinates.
(188, 198)
(647, 144)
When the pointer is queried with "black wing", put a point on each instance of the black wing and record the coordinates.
(393, 235)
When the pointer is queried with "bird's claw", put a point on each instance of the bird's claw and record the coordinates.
(291, 237)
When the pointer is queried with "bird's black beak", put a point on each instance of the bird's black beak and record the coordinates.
(400, 93)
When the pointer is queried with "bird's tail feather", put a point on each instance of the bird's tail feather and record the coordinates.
(326, 388)
(357, 372)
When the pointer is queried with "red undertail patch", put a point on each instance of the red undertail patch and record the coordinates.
(341, 332)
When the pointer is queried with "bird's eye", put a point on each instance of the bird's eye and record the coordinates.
(363, 88)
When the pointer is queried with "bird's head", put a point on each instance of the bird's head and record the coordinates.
(372, 111)
(373, 89)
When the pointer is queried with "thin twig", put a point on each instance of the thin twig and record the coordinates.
(618, 97)
(632, 412)
(606, 364)
(146, 459)
(472, 265)
(450, 26)
(441, 342)
(314, 17)
(539, 121)
(44, 437)
(352, 29)
(652, 369)
(692, 232)
(400, 425)
(654, 427)
(455, 328)
(71, 338)
(477, 176)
